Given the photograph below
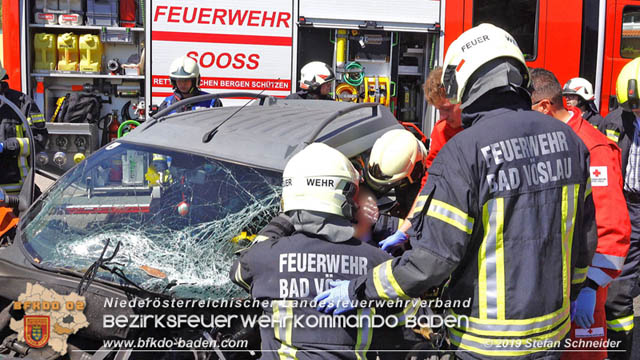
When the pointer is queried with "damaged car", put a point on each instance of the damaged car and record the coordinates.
(155, 217)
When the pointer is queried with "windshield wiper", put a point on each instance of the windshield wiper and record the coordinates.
(92, 271)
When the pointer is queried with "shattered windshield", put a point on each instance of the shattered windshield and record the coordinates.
(179, 218)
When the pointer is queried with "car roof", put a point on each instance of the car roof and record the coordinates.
(268, 135)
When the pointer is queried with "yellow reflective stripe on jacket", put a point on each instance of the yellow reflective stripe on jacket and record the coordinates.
(613, 135)
(587, 189)
(621, 324)
(510, 346)
(283, 328)
(23, 164)
(451, 215)
(365, 333)
(386, 285)
(569, 207)
(491, 286)
(579, 275)
(513, 327)
(35, 118)
(239, 279)
(12, 188)
(418, 206)
(409, 310)
(25, 149)
(19, 131)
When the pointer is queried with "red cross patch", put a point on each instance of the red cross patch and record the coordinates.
(599, 176)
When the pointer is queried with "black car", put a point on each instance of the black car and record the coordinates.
(159, 213)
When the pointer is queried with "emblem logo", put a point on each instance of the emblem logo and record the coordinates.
(36, 330)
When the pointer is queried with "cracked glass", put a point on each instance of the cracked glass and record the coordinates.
(179, 218)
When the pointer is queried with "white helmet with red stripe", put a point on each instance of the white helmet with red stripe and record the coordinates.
(315, 74)
(579, 86)
(473, 49)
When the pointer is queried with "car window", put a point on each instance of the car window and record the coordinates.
(179, 218)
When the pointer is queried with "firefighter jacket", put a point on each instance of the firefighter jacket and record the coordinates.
(14, 158)
(614, 227)
(619, 127)
(172, 99)
(506, 221)
(291, 270)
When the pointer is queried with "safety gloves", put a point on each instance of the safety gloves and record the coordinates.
(1, 146)
(391, 242)
(585, 305)
(335, 299)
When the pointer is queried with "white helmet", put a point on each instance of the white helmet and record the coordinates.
(184, 67)
(319, 178)
(315, 74)
(3, 72)
(474, 48)
(579, 86)
(396, 156)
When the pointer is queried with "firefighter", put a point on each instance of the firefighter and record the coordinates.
(503, 215)
(579, 93)
(621, 126)
(614, 228)
(316, 79)
(319, 193)
(185, 80)
(14, 143)
(396, 161)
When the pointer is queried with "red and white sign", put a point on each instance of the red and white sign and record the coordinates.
(599, 176)
(243, 46)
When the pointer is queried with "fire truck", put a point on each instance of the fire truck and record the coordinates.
(381, 51)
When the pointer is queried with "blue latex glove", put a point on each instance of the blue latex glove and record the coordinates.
(585, 305)
(390, 243)
(1, 146)
(336, 299)
(572, 310)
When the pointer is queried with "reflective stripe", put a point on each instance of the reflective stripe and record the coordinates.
(451, 215)
(409, 310)
(587, 189)
(512, 346)
(491, 285)
(569, 206)
(25, 150)
(579, 275)
(35, 118)
(514, 327)
(19, 132)
(608, 261)
(239, 279)
(600, 277)
(613, 135)
(12, 188)
(386, 285)
(419, 205)
(621, 324)
(364, 333)
(283, 313)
